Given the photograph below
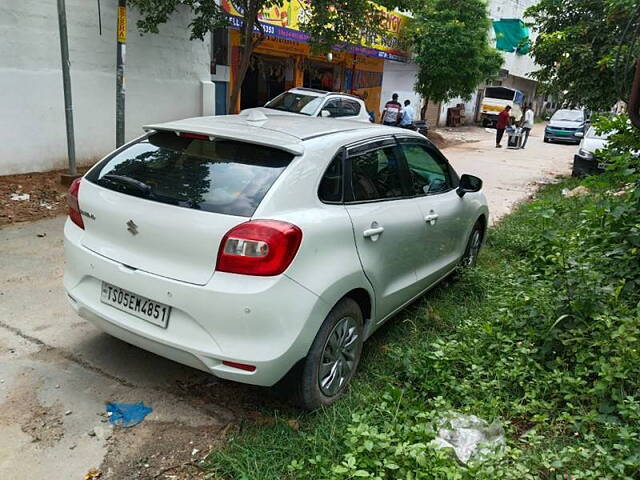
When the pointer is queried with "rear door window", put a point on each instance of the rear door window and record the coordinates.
(375, 175)
(219, 176)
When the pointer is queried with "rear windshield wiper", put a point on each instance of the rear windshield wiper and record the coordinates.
(128, 182)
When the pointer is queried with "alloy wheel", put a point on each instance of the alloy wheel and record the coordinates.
(338, 358)
(474, 249)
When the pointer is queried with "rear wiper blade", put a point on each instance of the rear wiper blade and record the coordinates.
(128, 182)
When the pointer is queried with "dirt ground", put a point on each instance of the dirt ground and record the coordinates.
(32, 196)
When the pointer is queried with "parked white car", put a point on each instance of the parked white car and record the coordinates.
(585, 161)
(317, 103)
(252, 246)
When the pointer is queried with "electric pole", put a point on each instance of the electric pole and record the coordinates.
(66, 86)
(121, 38)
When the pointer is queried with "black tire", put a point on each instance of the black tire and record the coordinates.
(311, 395)
(546, 140)
(470, 257)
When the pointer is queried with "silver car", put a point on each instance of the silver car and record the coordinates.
(266, 247)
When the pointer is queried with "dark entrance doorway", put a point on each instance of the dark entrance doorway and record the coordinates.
(319, 75)
(265, 80)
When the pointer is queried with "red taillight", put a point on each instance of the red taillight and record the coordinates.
(241, 366)
(74, 206)
(259, 247)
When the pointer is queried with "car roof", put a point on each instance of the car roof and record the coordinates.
(285, 132)
(321, 93)
(309, 91)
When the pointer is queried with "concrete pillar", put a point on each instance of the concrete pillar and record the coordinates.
(208, 98)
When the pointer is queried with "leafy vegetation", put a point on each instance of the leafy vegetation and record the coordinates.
(586, 49)
(544, 336)
(442, 30)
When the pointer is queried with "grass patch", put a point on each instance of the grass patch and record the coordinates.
(542, 336)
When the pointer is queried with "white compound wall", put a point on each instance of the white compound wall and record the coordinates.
(163, 81)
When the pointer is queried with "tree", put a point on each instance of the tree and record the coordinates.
(450, 41)
(586, 49)
(328, 22)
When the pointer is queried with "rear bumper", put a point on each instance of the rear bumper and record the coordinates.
(267, 322)
(583, 166)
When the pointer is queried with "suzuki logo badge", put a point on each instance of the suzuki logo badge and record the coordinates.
(132, 228)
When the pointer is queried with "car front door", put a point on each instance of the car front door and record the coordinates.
(387, 222)
(444, 221)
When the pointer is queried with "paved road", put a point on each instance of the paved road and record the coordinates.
(510, 176)
(56, 371)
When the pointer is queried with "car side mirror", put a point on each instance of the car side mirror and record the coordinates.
(468, 184)
(325, 113)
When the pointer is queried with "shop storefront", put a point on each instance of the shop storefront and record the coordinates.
(284, 60)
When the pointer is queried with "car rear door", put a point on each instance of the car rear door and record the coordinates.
(445, 222)
(387, 223)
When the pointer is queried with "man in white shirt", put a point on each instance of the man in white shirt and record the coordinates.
(406, 121)
(527, 125)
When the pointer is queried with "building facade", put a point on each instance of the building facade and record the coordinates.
(285, 60)
(166, 77)
(516, 70)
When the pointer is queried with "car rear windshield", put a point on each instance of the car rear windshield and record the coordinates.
(296, 103)
(220, 176)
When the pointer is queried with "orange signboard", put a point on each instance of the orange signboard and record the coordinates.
(285, 21)
(122, 24)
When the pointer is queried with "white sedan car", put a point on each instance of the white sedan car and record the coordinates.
(316, 103)
(253, 246)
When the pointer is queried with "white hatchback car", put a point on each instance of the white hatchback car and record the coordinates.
(251, 247)
(316, 103)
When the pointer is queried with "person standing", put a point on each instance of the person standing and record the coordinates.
(406, 120)
(527, 125)
(392, 111)
(504, 120)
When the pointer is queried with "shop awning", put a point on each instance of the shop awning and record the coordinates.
(512, 35)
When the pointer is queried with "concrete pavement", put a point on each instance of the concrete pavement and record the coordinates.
(56, 371)
(510, 176)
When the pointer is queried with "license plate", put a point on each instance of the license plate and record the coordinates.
(602, 165)
(141, 307)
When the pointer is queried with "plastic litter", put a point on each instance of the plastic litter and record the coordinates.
(127, 414)
(468, 436)
(579, 191)
(92, 474)
(19, 197)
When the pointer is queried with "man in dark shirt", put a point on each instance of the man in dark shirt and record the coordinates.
(391, 112)
(501, 125)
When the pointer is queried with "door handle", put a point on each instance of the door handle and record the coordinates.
(431, 218)
(374, 232)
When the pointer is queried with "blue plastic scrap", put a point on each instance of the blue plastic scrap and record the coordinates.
(127, 414)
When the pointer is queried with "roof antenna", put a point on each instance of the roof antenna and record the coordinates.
(256, 116)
